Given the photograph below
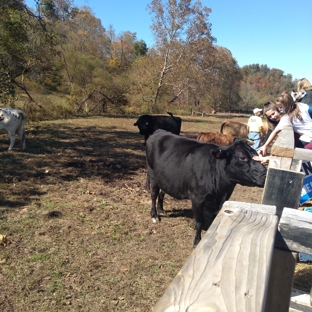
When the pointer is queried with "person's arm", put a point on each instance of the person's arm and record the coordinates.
(267, 136)
(262, 150)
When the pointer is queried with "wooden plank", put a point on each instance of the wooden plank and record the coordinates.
(229, 270)
(285, 163)
(297, 307)
(281, 279)
(282, 188)
(295, 227)
(269, 209)
(280, 162)
(304, 154)
(284, 144)
(296, 165)
(283, 266)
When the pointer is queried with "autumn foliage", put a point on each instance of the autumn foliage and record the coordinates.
(58, 60)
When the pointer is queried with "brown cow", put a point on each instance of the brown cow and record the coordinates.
(240, 130)
(234, 128)
(218, 138)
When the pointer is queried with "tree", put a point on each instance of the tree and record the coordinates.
(55, 9)
(28, 49)
(261, 84)
(178, 27)
(140, 48)
(143, 75)
(227, 80)
(48, 9)
(11, 51)
(85, 33)
(122, 49)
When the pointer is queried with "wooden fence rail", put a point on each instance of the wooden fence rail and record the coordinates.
(246, 259)
(229, 269)
(193, 112)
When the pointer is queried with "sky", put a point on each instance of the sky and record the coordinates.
(276, 33)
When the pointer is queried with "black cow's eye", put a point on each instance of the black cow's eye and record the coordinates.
(243, 158)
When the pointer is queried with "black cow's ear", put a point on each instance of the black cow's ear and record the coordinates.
(218, 153)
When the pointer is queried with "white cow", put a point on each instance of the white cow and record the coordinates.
(13, 120)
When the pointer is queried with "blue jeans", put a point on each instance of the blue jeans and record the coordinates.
(256, 138)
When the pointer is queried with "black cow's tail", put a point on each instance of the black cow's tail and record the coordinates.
(172, 116)
(147, 182)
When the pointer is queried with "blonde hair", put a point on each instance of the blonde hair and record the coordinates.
(290, 106)
(266, 107)
(304, 84)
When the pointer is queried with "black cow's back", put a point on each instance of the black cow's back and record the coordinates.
(181, 166)
(148, 124)
(178, 165)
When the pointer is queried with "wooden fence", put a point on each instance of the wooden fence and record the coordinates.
(197, 113)
(246, 259)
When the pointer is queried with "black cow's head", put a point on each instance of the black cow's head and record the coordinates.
(143, 124)
(239, 165)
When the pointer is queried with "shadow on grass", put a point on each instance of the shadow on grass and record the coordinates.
(67, 152)
(108, 148)
(186, 213)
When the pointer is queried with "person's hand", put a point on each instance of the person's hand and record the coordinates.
(263, 160)
(262, 150)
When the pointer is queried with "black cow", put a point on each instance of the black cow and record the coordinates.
(148, 124)
(205, 173)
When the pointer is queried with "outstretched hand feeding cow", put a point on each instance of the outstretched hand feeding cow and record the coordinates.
(205, 173)
(13, 120)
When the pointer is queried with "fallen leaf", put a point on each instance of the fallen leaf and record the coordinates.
(3, 240)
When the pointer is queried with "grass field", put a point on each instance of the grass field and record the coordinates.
(77, 219)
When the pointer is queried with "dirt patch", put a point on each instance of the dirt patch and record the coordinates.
(77, 219)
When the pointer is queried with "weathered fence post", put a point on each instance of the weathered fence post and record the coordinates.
(229, 269)
(284, 180)
(282, 188)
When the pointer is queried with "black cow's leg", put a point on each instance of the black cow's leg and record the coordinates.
(198, 212)
(160, 203)
(154, 195)
(198, 229)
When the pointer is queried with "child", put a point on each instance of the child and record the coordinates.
(272, 115)
(297, 116)
(255, 126)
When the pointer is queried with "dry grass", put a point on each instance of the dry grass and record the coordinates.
(76, 216)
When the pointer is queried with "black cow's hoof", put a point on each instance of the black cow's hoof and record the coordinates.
(162, 213)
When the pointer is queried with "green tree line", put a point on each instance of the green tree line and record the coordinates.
(58, 60)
